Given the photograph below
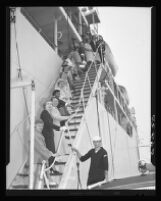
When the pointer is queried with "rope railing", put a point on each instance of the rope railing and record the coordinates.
(76, 111)
(112, 90)
(72, 116)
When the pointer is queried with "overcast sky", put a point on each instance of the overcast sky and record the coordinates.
(127, 30)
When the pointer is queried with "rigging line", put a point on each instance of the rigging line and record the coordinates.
(96, 96)
(30, 113)
(121, 107)
(21, 122)
(17, 126)
(115, 136)
(19, 70)
(88, 129)
(111, 144)
(33, 76)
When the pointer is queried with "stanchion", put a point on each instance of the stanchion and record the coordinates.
(31, 174)
(79, 185)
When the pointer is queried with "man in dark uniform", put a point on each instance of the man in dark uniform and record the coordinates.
(99, 162)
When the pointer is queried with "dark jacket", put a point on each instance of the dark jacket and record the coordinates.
(99, 163)
(48, 130)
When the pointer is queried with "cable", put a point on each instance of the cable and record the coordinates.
(18, 57)
(111, 144)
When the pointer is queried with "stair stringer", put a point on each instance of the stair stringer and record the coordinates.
(118, 144)
(88, 128)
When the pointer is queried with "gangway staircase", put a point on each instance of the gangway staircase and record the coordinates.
(21, 180)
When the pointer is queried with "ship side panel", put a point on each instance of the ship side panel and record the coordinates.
(38, 61)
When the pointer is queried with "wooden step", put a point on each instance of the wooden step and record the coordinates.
(86, 89)
(52, 186)
(73, 132)
(74, 126)
(78, 120)
(86, 84)
(56, 173)
(20, 180)
(91, 78)
(76, 102)
(68, 137)
(78, 92)
(59, 163)
(23, 174)
(19, 187)
(77, 97)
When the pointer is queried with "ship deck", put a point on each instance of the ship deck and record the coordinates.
(146, 182)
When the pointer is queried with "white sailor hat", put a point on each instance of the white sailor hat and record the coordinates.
(96, 138)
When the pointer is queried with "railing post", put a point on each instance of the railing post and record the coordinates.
(32, 125)
(80, 23)
(40, 182)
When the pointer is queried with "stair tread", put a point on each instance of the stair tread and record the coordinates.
(59, 163)
(73, 129)
(67, 137)
(73, 123)
(23, 174)
(19, 186)
(78, 97)
(51, 186)
(56, 174)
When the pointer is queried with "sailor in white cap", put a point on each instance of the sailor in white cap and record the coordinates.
(99, 162)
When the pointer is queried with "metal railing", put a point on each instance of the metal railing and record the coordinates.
(123, 108)
(43, 169)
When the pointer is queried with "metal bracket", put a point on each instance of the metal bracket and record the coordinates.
(12, 16)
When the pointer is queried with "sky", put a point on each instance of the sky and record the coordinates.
(127, 30)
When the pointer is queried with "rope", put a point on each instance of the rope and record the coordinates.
(19, 70)
(113, 91)
(111, 144)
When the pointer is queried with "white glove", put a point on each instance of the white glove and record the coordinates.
(63, 128)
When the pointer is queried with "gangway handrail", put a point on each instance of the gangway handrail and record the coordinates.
(96, 184)
(82, 98)
(117, 100)
(73, 115)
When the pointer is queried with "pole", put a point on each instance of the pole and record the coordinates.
(98, 113)
(55, 34)
(79, 185)
(80, 23)
(32, 132)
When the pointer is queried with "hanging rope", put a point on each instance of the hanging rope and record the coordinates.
(111, 143)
